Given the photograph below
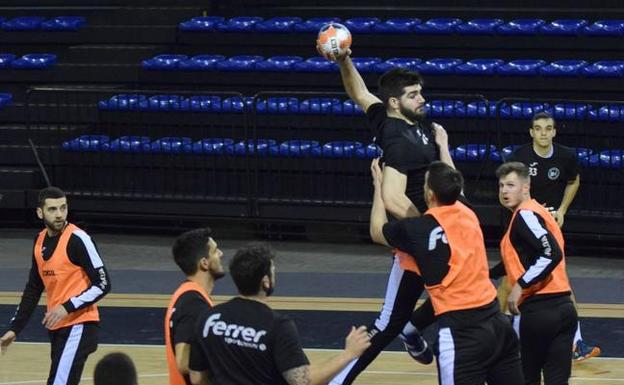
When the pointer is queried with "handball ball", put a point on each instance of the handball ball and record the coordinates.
(333, 38)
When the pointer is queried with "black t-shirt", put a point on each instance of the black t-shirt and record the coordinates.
(407, 148)
(549, 176)
(188, 308)
(412, 235)
(245, 342)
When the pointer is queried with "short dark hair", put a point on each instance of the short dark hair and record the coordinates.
(189, 248)
(445, 182)
(393, 82)
(49, 193)
(518, 167)
(249, 265)
(542, 115)
(115, 369)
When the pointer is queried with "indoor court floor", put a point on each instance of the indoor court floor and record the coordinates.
(324, 287)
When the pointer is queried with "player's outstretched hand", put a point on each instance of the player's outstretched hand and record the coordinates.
(334, 58)
(376, 173)
(357, 341)
(6, 340)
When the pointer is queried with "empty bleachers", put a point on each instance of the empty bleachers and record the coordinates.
(224, 108)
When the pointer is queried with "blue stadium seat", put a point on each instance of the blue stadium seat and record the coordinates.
(5, 99)
(397, 25)
(408, 63)
(563, 68)
(608, 113)
(6, 59)
(167, 103)
(439, 66)
(259, 147)
(474, 152)
(278, 63)
(564, 27)
(440, 26)
(605, 69)
(278, 24)
(214, 146)
(172, 145)
(86, 143)
(23, 23)
(605, 28)
(315, 64)
(446, 108)
(571, 111)
(164, 62)
(366, 64)
(202, 23)
(583, 152)
(124, 102)
(239, 63)
(314, 24)
(521, 27)
(35, 61)
(239, 24)
(521, 67)
(369, 152)
(341, 149)
(300, 148)
(611, 159)
(200, 63)
(316, 106)
(479, 27)
(205, 103)
(590, 161)
(278, 105)
(349, 107)
(522, 110)
(236, 104)
(479, 67)
(64, 23)
(478, 109)
(508, 150)
(361, 24)
(131, 144)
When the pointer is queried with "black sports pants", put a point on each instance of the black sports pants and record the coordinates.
(479, 352)
(403, 290)
(546, 337)
(70, 348)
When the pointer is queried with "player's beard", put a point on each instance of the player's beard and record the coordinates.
(55, 226)
(413, 116)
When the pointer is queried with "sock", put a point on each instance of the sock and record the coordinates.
(577, 335)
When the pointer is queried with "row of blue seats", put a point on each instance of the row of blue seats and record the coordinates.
(252, 63)
(28, 61)
(585, 156)
(437, 26)
(221, 146)
(302, 148)
(5, 99)
(33, 23)
(335, 106)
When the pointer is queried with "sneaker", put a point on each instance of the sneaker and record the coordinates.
(583, 351)
(418, 348)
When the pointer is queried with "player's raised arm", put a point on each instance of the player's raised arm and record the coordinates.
(340, 53)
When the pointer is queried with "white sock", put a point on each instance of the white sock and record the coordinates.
(577, 335)
(408, 330)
